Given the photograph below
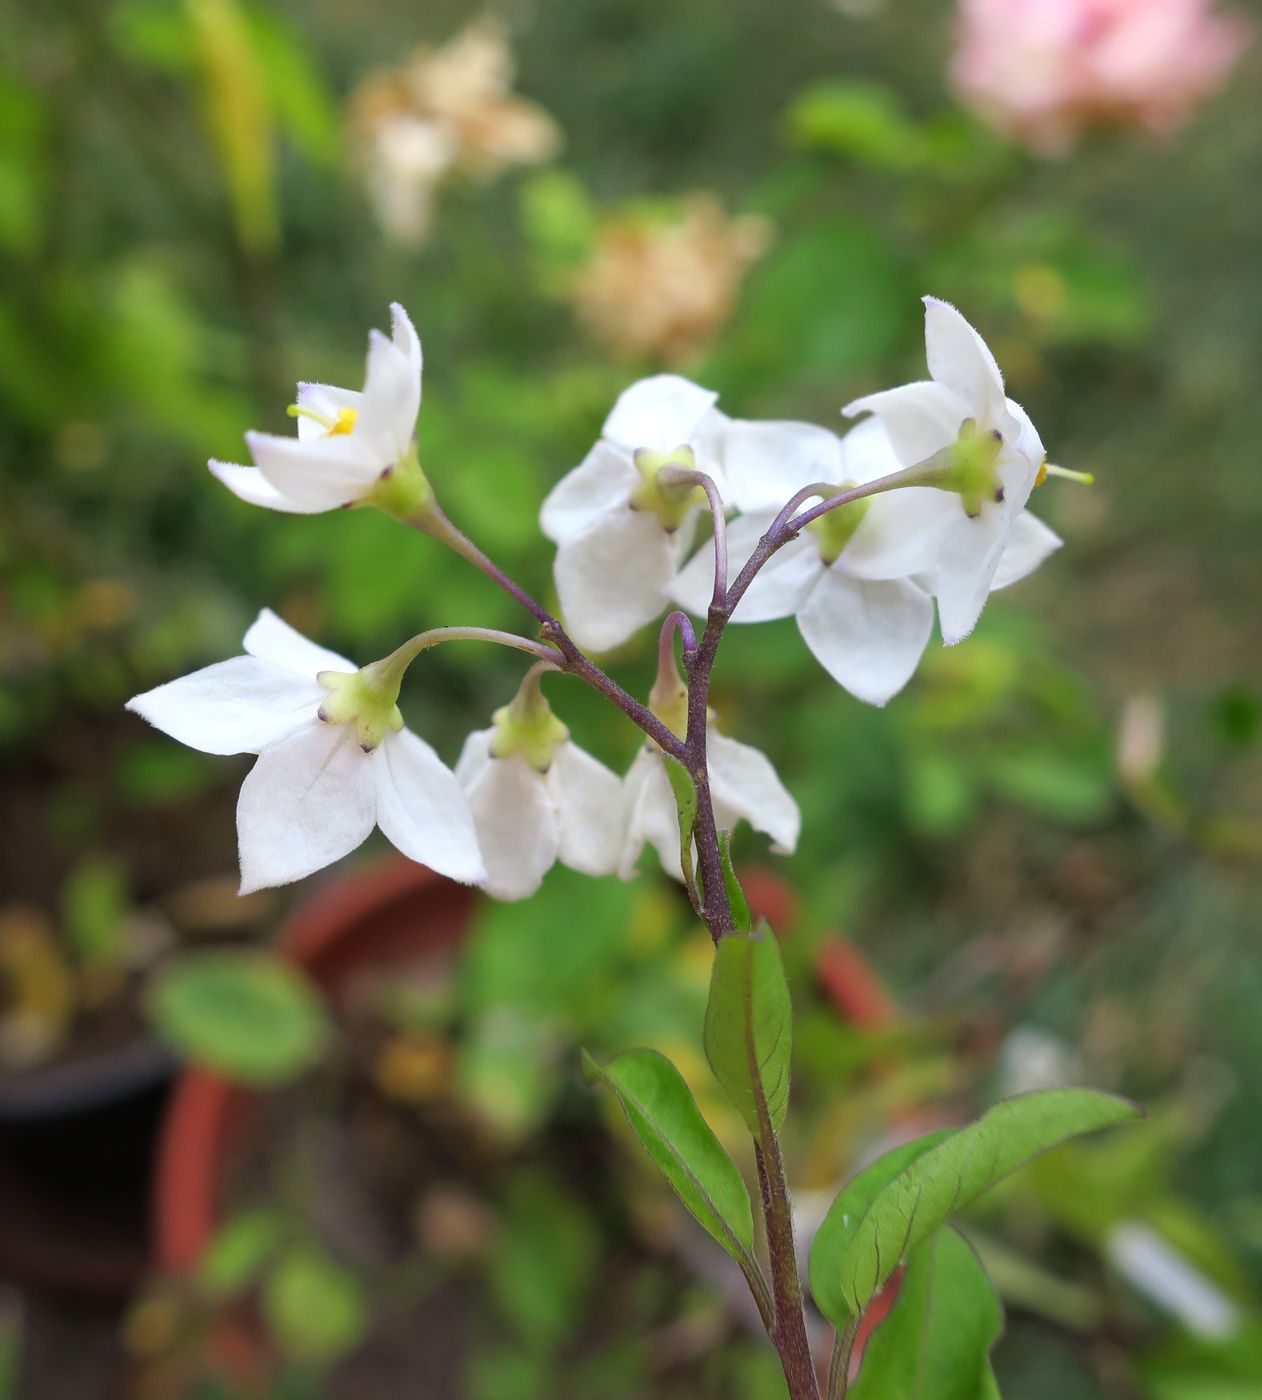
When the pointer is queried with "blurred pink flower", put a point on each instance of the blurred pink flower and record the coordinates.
(1044, 71)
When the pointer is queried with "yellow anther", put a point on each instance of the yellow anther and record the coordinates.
(1042, 476)
(344, 423)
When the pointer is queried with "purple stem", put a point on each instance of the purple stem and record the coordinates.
(677, 476)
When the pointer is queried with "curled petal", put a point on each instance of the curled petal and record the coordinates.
(961, 360)
(600, 484)
(249, 484)
(1030, 542)
(307, 802)
(236, 706)
(868, 636)
(315, 475)
(612, 579)
(743, 783)
(423, 810)
(272, 639)
(516, 823)
(660, 413)
(587, 798)
(967, 565)
(921, 418)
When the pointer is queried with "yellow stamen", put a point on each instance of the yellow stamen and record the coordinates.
(344, 424)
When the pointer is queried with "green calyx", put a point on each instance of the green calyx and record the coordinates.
(402, 490)
(366, 699)
(834, 530)
(528, 727)
(670, 501)
(968, 467)
(668, 700)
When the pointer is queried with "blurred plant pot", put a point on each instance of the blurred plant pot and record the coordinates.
(76, 1146)
(389, 912)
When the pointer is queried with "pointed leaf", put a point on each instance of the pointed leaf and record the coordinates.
(953, 1173)
(748, 1027)
(741, 915)
(935, 1344)
(666, 1119)
(685, 791)
(846, 1214)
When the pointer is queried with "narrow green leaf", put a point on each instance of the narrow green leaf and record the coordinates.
(935, 1344)
(953, 1173)
(236, 1255)
(685, 790)
(666, 1119)
(845, 1215)
(749, 1027)
(743, 919)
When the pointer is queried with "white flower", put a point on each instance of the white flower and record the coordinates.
(315, 794)
(619, 532)
(743, 784)
(527, 820)
(956, 542)
(347, 441)
(858, 579)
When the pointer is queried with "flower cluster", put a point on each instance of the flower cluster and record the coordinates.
(922, 502)
(446, 110)
(1045, 71)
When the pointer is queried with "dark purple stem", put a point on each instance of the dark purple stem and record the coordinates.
(677, 476)
(675, 622)
(433, 522)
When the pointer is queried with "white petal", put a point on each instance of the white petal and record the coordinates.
(423, 810)
(601, 483)
(392, 398)
(765, 463)
(902, 533)
(920, 418)
(1019, 462)
(474, 756)
(660, 413)
(867, 453)
(328, 401)
(959, 358)
(251, 485)
(273, 639)
(315, 475)
(968, 562)
(612, 579)
(516, 823)
(744, 784)
(868, 636)
(587, 798)
(652, 817)
(237, 706)
(1029, 543)
(307, 802)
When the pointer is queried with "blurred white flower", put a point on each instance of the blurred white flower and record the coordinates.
(327, 772)
(527, 818)
(447, 109)
(955, 542)
(743, 786)
(1153, 1266)
(620, 532)
(348, 442)
(1045, 71)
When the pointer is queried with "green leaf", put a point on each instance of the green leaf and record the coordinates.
(236, 1255)
(743, 919)
(685, 791)
(942, 1181)
(94, 908)
(841, 1223)
(935, 1344)
(246, 1015)
(749, 1027)
(314, 1307)
(855, 118)
(666, 1119)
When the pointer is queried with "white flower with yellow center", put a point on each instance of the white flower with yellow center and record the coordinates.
(537, 798)
(989, 455)
(334, 758)
(350, 446)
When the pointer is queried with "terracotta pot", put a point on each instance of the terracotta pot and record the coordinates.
(385, 913)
